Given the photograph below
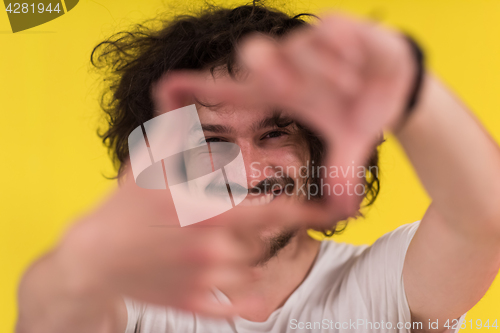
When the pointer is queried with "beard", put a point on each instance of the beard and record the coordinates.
(275, 243)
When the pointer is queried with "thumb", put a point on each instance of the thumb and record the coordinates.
(347, 184)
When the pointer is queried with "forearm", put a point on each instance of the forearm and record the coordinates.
(455, 159)
(50, 302)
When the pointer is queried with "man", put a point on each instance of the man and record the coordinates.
(129, 267)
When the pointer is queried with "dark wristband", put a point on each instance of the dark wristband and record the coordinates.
(419, 59)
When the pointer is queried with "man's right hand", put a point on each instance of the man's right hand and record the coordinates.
(133, 245)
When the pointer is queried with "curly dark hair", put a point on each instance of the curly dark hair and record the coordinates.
(132, 61)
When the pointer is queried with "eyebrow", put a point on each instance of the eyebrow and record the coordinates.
(277, 119)
(219, 129)
(274, 120)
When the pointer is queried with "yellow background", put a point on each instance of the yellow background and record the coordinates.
(52, 162)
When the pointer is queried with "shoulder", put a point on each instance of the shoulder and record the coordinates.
(390, 249)
(366, 281)
(377, 275)
(391, 245)
(383, 259)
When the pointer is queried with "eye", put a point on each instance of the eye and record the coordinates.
(215, 139)
(274, 134)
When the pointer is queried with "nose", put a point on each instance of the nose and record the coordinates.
(258, 163)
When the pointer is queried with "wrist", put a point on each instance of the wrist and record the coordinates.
(416, 58)
(422, 116)
(76, 261)
(50, 302)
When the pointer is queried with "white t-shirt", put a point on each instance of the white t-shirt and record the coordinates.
(349, 289)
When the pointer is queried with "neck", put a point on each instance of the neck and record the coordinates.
(278, 277)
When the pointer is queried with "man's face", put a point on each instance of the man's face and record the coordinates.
(274, 151)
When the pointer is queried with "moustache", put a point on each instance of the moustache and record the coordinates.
(272, 184)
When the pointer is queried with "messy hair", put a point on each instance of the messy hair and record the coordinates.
(134, 60)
